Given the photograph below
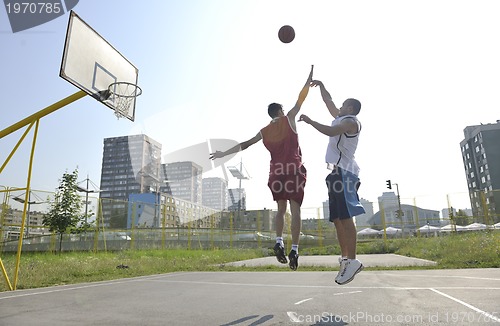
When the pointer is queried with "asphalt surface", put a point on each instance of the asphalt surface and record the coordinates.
(408, 297)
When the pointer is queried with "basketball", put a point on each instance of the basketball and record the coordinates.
(286, 34)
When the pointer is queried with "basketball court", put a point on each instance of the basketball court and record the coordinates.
(423, 297)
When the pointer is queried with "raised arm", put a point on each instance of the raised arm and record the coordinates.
(235, 149)
(327, 98)
(302, 97)
(348, 126)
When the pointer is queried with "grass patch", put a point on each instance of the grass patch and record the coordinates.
(458, 250)
(47, 269)
(462, 250)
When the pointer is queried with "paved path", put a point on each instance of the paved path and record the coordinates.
(380, 260)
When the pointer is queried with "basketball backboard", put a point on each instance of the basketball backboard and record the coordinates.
(92, 64)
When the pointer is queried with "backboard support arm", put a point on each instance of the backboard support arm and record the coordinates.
(38, 115)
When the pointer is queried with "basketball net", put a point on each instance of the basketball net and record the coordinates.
(123, 94)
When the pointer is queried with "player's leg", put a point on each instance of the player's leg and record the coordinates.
(350, 206)
(279, 247)
(348, 237)
(341, 237)
(333, 180)
(296, 227)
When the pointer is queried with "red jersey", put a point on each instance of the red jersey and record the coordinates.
(287, 175)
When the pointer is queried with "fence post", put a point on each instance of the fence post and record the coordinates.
(259, 240)
(132, 226)
(320, 228)
(382, 220)
(415, 210)
(163, 227)
(231, 230)
(486, 218)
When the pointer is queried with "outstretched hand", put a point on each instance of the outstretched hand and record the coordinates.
(315, 83)
(305, 118)
(310, 78)
(216, 155)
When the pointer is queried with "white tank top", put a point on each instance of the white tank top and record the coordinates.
(341, 148)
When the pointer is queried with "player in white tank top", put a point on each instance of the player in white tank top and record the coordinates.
(344, 201)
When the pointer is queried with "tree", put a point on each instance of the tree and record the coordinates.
(461, 218)
(66, 211)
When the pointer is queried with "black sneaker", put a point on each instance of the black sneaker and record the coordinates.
(279, 251)
(293, 256)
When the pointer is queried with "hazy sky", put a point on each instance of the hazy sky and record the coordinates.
(423, 71)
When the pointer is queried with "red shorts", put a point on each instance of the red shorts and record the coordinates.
(288, 186)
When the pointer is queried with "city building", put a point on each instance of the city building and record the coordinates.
(214, 193)
(481, 157)
(154, 210)
(183, 180)
(254, 220)
(326, 210)
(237, 199)
(362, 220)
(412, 217)
(130, 165)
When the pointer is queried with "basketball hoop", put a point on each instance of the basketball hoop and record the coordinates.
(122, 95)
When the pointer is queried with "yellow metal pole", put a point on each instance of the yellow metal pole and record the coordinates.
(212, 218)
(231, 230)
(486, 219)
(163, 210)
(4, 205)
(382, 220)
(320, 227)
(450, 214)
(36, 116)
(97, 222)
(26, 200)
(415, 210)
(2, 215)
(5, 275)
(132, 226)
(15, 148)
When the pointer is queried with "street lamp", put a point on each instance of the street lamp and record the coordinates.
(87, 191)
(238, 174)
(400, 212)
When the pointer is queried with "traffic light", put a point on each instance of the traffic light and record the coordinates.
(389, 185)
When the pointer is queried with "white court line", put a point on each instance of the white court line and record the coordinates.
(324, 286)
(302, 301)
(352, 292)
(443, 276)
(71, 287)
(490, 316)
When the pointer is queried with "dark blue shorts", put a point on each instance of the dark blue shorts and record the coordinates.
(343, 194)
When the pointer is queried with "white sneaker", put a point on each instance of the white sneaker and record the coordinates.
(342, 263)
(351, 267)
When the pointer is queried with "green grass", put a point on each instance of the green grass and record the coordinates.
(461, 250)
(468, 250)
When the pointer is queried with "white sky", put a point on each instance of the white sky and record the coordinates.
(423, 71)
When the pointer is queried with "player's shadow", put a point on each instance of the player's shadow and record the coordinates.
(259, 321)
(331, 320)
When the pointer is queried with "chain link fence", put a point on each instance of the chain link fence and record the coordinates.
(173, 223)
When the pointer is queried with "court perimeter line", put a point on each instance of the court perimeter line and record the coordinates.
(302, 301)
(490, 316)
(444, 276)
(71, 287)
(324, 286)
